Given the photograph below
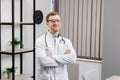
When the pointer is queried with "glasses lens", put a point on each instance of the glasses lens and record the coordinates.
(54, 20)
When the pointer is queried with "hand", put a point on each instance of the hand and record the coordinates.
(67, 51)
(48, 53)
(50, 56)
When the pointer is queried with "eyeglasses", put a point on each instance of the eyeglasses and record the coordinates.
(54, 20)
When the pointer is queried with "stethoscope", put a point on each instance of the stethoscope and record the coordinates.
(59, 35)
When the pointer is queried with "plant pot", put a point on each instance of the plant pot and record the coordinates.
(17, 47)
(10, 76)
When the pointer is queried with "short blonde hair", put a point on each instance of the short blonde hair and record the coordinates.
(51, 14)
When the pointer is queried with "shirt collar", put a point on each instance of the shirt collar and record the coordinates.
(54, 36)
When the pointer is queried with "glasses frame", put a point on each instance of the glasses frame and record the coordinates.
(54, 20)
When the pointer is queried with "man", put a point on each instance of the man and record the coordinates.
(53, 51)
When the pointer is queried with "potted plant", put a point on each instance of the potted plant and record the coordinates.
(16, 42)
(8, 71)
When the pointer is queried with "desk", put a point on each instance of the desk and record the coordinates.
(113, 78)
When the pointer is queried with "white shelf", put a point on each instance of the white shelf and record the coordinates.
(21, 77)
(16, 23)
(23, 50)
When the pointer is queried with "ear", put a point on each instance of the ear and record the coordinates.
(46, 23)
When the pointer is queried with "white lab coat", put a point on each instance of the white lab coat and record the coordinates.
(55, 68)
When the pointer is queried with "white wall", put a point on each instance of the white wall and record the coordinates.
(111, 39)
(45, 6)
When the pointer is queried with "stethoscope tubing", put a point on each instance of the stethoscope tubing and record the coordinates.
(59, 41)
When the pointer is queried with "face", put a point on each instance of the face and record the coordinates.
(54, 24)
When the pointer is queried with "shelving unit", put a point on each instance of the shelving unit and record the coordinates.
(22, 51)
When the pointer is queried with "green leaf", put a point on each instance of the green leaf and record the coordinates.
(16, 42)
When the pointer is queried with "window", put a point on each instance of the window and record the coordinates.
(82, 24)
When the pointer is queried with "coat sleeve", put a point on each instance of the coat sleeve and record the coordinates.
(66, 58)
(41, 56)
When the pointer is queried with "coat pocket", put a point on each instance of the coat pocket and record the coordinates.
(45, 75)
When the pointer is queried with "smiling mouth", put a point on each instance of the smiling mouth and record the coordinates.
(54, 25)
